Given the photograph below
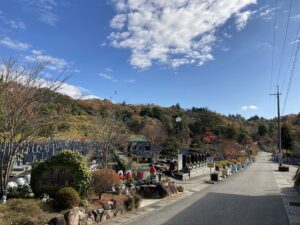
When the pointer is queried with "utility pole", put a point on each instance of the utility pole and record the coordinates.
(278, 125)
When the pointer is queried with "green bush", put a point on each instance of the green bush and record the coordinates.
(137, 201)
(19, 192)
(67, 198)
(121, 163)
(66, 169)
(129, 203)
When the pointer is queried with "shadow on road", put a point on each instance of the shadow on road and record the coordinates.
(229, 209)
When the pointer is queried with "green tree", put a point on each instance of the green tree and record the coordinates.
(231, 132)
(67, 168)
(157, 113)
(262, 130)
(171, 147)
(286, 137)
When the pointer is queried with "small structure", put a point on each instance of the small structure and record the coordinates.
(141, 149)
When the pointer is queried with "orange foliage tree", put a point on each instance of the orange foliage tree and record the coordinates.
(103, 180)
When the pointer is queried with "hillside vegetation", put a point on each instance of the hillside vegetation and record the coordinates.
(200, 128)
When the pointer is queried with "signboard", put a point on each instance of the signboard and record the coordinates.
(179, 161)
(209, 159)
(211, 165)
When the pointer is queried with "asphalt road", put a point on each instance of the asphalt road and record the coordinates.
(248, 198)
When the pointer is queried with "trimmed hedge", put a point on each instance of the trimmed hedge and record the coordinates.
(71, 161)
(121, 163)
(67, 198)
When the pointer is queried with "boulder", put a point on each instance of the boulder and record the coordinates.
(110, 214)
(58, 220)
(72, 216)
(104, 216)
(117, 211)
(83, 219)
(97, 216)
(91, 215)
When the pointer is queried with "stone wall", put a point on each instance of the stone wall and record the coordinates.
(197, 172)
(79, 216)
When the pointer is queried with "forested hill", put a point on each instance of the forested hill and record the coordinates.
(199, 127)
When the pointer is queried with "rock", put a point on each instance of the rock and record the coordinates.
(97, 214)
(91, 215)
(83, 219)
(117, 212)
(104, 216)
(58, 220)
(72, 216)
(110, 214)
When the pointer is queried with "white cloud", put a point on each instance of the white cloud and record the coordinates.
(173, 32)
(17, 24)
(242, 19)
(74, 91)
(118, 22)
(129, 81)
(108, 70)
(45, 9)
(105, 76)
(14, 24)
(266, 12)
(296, 17)
(90, 97)
(9, 43)
(53, 63)
(249, 107)
(47, 80)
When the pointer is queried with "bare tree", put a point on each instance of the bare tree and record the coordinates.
(24, 90)
(107, 134)
(154, 131)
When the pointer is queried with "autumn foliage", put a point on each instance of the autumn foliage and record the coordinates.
(103, 180)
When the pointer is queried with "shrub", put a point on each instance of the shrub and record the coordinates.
(103, 180)
(129, 203)
(19, 192)
(67, 168)
(137, 200)
(179, 188)
(67, 198)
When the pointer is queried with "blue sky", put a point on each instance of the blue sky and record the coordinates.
(201, 53)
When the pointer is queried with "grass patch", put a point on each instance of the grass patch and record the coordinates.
(24, 212)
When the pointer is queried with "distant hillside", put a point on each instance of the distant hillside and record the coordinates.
(200, 128)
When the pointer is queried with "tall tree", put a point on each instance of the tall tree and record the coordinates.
(154, 132)
(262, 130)
(106, 134)
(24, 90)
(286, 136)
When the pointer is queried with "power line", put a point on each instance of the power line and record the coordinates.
(284, 42)
(297, 41)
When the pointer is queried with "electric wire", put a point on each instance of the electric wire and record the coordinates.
(284, 42)
(297, 41)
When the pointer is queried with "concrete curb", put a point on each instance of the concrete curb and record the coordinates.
(287, 192)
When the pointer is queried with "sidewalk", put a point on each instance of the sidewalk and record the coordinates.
(148, 206)
(285, 184)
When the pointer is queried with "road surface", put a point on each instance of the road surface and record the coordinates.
(248, 198)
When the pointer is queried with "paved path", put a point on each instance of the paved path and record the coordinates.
(250, 197)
